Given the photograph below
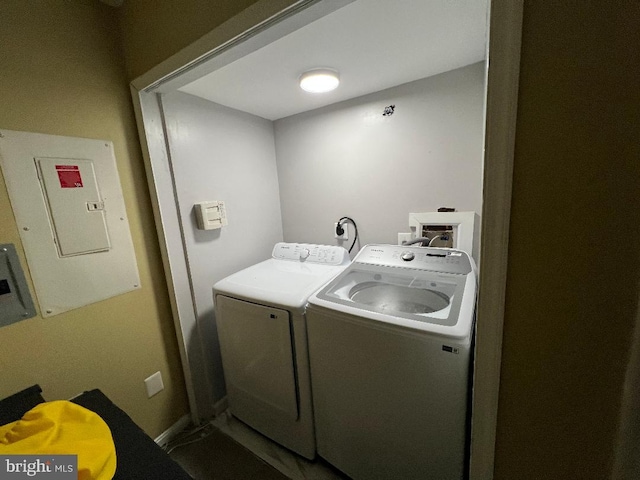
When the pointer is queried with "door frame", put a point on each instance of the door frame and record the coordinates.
(257, 26)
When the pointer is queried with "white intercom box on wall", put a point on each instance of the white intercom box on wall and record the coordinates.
(210, 215)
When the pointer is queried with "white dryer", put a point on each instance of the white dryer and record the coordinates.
(390, 346)
(260, 314)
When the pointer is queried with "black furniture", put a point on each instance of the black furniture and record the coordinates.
(138, 456)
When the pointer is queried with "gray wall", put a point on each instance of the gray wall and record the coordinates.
(348, 159)
(222, 154)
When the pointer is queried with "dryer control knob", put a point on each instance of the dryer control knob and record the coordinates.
(407, 256)
(304, 253)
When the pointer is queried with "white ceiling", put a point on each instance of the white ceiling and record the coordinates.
(374, 44)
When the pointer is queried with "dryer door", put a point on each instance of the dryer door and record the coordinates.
(257, 356)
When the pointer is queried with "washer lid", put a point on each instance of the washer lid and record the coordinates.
(278, 282)
(418, 295)
(431, 293)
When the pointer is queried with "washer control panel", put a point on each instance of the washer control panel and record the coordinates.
(310, 253)
(446, 260)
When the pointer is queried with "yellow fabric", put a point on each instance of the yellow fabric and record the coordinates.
(63, 428)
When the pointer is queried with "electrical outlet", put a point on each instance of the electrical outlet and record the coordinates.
(154, 384)
(345, 235)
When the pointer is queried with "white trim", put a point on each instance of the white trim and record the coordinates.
(221, 406)
(165, 437)
(253, 15)
(501, 109)
(260, 24)
(155, 156)
(626, 461)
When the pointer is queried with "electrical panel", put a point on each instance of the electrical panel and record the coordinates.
(69, 208)
(210, 215)
(74, 204)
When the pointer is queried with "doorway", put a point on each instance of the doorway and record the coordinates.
(160, 94)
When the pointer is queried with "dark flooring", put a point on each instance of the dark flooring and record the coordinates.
(214, 455)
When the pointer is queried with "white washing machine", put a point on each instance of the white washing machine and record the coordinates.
(390, 347)
(260, 314)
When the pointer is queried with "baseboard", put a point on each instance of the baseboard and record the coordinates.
(166, 436)
(220, 406)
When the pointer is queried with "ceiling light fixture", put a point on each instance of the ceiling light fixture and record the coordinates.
(319, 80)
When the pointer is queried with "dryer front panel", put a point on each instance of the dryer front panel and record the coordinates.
(258, 356)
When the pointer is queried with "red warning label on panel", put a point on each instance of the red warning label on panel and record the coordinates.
(69, 176)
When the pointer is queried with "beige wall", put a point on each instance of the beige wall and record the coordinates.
(62, 73)
(154, 30)
(573, 252)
